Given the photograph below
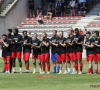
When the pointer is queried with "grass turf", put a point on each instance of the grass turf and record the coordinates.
(29, 81)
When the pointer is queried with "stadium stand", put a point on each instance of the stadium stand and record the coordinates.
(63, 23)
(57, 23)
(7, 8)
(90, 21)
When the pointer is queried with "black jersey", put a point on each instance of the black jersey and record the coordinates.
(27, 48)
(79, 39)
(17, 43)
(97, 49)
(10, 37)
(36, 51)
(45, 49)
(62, 50)
(90, 50)
(54, 49)
(69, 48)
(6, 51)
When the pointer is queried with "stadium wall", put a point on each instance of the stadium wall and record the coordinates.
(4, 3)
(16, 15)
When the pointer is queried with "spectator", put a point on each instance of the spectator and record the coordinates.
(49, 14)
(83, 10)
(63, 8)
(89, 4)
(39, 10)
(58, 8)
(40, 18)
(72, 7)
(76, 6)
(58, 4)
(44, 10)
(67, 2)
(31, 7)
(57, 12)
(80, 3)
(53, 8)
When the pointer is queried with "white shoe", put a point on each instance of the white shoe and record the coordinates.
(27, 71)
(65, 72)
(20, 72)
(34, 72)
(68, 72)
(74, 72)
(13, 72)
(80, 73)
(60, 73)
(8, 72)
(42, 72)
(48, 72)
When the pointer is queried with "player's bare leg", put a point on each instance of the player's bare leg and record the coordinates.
(81, 66)
(8, 66)
(75, 67)
(43, 68)
(60, 64)
(40, 68)
(14, 65)
(68, 67)
(90, 68)
(34, 65)
(48, 67)
(65, 67)
(27, 66)
(4, 67)
(96, 67)
(73, 63)
(20, 65)
(11, 65)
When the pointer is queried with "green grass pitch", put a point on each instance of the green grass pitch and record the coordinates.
(29, 81)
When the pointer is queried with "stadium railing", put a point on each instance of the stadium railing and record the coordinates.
(9, 8)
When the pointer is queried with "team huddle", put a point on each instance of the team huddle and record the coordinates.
(63, 51)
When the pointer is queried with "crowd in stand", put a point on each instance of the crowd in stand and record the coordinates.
(57, 8)
(62, 7)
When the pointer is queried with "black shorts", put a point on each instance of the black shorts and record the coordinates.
(72, 8)
(62, 9)
(58, 13)
(31, 7)
(40, 21)
(82, 10)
